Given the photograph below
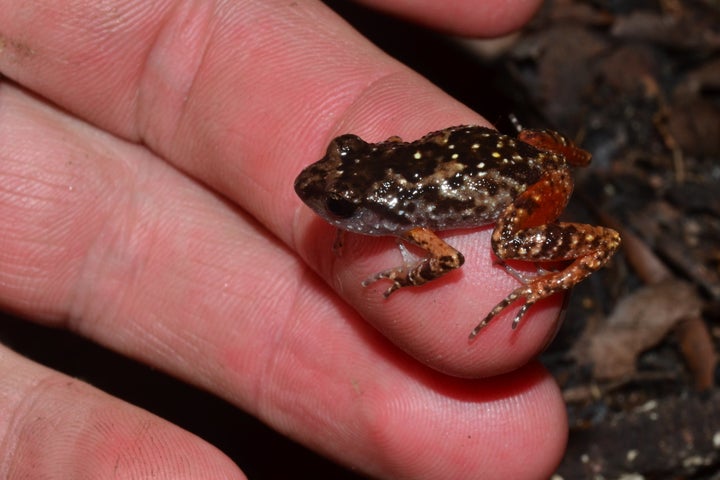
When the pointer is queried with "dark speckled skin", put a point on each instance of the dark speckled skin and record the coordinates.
(459, 177)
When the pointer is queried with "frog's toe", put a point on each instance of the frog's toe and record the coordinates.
(389, 274)
(521, 314)
(519, 293)
(397, 275)
(395, 286)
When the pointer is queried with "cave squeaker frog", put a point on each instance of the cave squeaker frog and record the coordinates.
(461, 177)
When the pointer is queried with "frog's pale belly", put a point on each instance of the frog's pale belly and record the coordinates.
(462, 177)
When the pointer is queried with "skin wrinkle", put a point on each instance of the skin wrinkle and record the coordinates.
(29, 412)
(170, 72)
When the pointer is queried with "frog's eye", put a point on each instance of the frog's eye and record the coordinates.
(339, 206)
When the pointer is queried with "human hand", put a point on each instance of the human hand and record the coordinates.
(148, 155)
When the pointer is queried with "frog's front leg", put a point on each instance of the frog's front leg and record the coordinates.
(528, 230)
(441, 259)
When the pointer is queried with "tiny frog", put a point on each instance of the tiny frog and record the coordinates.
(461, 177)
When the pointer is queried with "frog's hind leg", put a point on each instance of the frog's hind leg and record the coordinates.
(528, 230)
(441, 259)
(589, 260)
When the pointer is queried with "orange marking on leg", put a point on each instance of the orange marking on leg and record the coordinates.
(554, 142)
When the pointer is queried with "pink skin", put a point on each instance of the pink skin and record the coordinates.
(472, 18)
(115, 226)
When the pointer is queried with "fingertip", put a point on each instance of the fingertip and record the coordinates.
(510, 426)
(437, 323)
(466, 17)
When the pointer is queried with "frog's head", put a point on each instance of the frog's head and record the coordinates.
(324, 188)
(338, 189)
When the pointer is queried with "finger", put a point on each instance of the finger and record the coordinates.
(138, 257)
(53, 426)
(240, 95)
(464, 17)
(244, 108)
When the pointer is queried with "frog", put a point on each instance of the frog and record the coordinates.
(462, 177)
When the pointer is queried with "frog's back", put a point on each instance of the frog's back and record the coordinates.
(454, 178)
